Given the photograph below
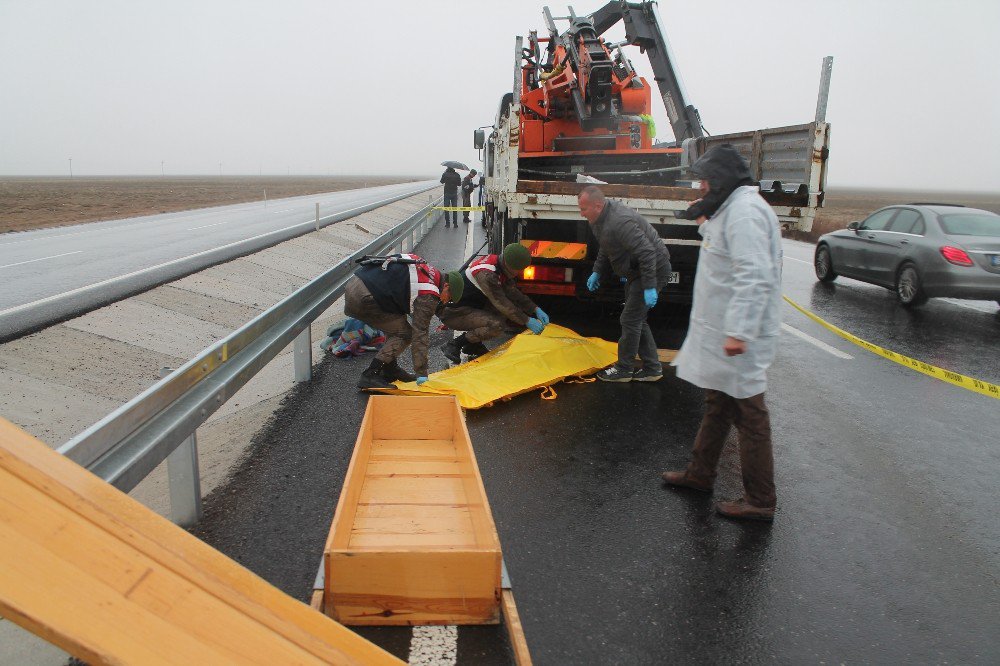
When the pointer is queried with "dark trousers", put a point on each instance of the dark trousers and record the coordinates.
(753, 423)
(360, 304)
(450, 199)
(479, 325)
(467, 202)
(636, 334)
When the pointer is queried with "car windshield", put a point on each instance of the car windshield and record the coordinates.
(971, 224)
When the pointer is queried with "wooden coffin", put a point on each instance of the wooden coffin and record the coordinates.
(413, 539)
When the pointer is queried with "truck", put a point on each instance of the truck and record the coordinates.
(579, 112)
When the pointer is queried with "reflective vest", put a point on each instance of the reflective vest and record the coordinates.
(396, 287)
(472, 295)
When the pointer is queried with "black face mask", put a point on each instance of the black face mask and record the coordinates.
(725, 169)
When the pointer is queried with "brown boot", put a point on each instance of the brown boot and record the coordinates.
(740, 509)
(683, 480)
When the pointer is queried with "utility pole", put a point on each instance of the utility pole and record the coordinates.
(71, 167)
(161, 168)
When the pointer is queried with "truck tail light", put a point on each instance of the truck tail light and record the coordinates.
(548, 274)
(956, 256)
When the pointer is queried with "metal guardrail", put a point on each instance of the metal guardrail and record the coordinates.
(129, 443)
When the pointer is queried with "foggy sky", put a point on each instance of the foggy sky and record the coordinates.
(394, 87)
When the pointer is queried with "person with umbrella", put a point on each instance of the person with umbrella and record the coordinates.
(451, 181)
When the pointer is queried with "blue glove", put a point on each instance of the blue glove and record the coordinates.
(649, 295)
(542, 317)
(421, 380)
(536, 326)
(593, 282)
(624, 280)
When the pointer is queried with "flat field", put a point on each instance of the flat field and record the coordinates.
(34, 202)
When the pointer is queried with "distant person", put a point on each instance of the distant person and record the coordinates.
(382, 294)
(631, 249)
(490, 299)
(451, 181)
(468, 187)
(735, 321)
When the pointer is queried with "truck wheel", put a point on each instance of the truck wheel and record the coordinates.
(823, 263)
(909, 290)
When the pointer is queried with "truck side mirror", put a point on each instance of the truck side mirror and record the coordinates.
(479, 139)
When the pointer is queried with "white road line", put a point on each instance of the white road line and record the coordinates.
(103, 283)
(211, 225)
(30, 261)
(801, 261)
(813, 341)
(434, 646)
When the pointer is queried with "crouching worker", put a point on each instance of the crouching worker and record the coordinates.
(491, 298)
(382, 293)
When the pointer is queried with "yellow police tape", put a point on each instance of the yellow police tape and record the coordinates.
(524, 363)
(459, 208)
(968, 383)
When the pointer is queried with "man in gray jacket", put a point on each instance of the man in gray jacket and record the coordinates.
(631, 249)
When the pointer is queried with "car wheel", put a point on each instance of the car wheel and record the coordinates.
(823, 263)
(909, 289)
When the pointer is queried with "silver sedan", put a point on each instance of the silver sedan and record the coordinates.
(919, 251)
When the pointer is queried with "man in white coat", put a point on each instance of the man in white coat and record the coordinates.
(733, 334)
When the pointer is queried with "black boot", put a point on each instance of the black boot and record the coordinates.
(475, 349)
(373, 377)
(394, 373)
(453, 348)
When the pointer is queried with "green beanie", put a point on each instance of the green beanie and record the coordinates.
(457, 284)
(516, 257)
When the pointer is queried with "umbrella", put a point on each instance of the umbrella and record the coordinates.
(454, 165)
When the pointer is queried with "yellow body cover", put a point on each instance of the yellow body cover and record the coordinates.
(526, 362)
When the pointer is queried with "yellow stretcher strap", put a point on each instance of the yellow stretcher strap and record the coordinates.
(548, 393)
(524, 363)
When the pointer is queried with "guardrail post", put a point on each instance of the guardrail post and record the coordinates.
(185, 482)
(317, 216)
(303, 355)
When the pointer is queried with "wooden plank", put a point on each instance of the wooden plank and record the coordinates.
(518, 641)
(666, 355)
(409, 417)
(347, 504)
(617, 191)
(414, 490)
(405, 588)
(89, 569)
(400, 526)
(482, 517)
(396, 468)
(414, 449)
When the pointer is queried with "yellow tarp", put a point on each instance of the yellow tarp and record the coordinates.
(526, 362)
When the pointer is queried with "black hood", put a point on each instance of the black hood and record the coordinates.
(725, 169)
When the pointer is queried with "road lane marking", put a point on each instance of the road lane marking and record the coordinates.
(801, 261)
(31, 261)
(434, 646)
(813, 341)
(210, 225)
(104, 283)
(954, 378)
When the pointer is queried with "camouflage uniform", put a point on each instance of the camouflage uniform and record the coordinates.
(505, 302)
(399, 333)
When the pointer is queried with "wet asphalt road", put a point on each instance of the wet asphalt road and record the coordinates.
(885, 548)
